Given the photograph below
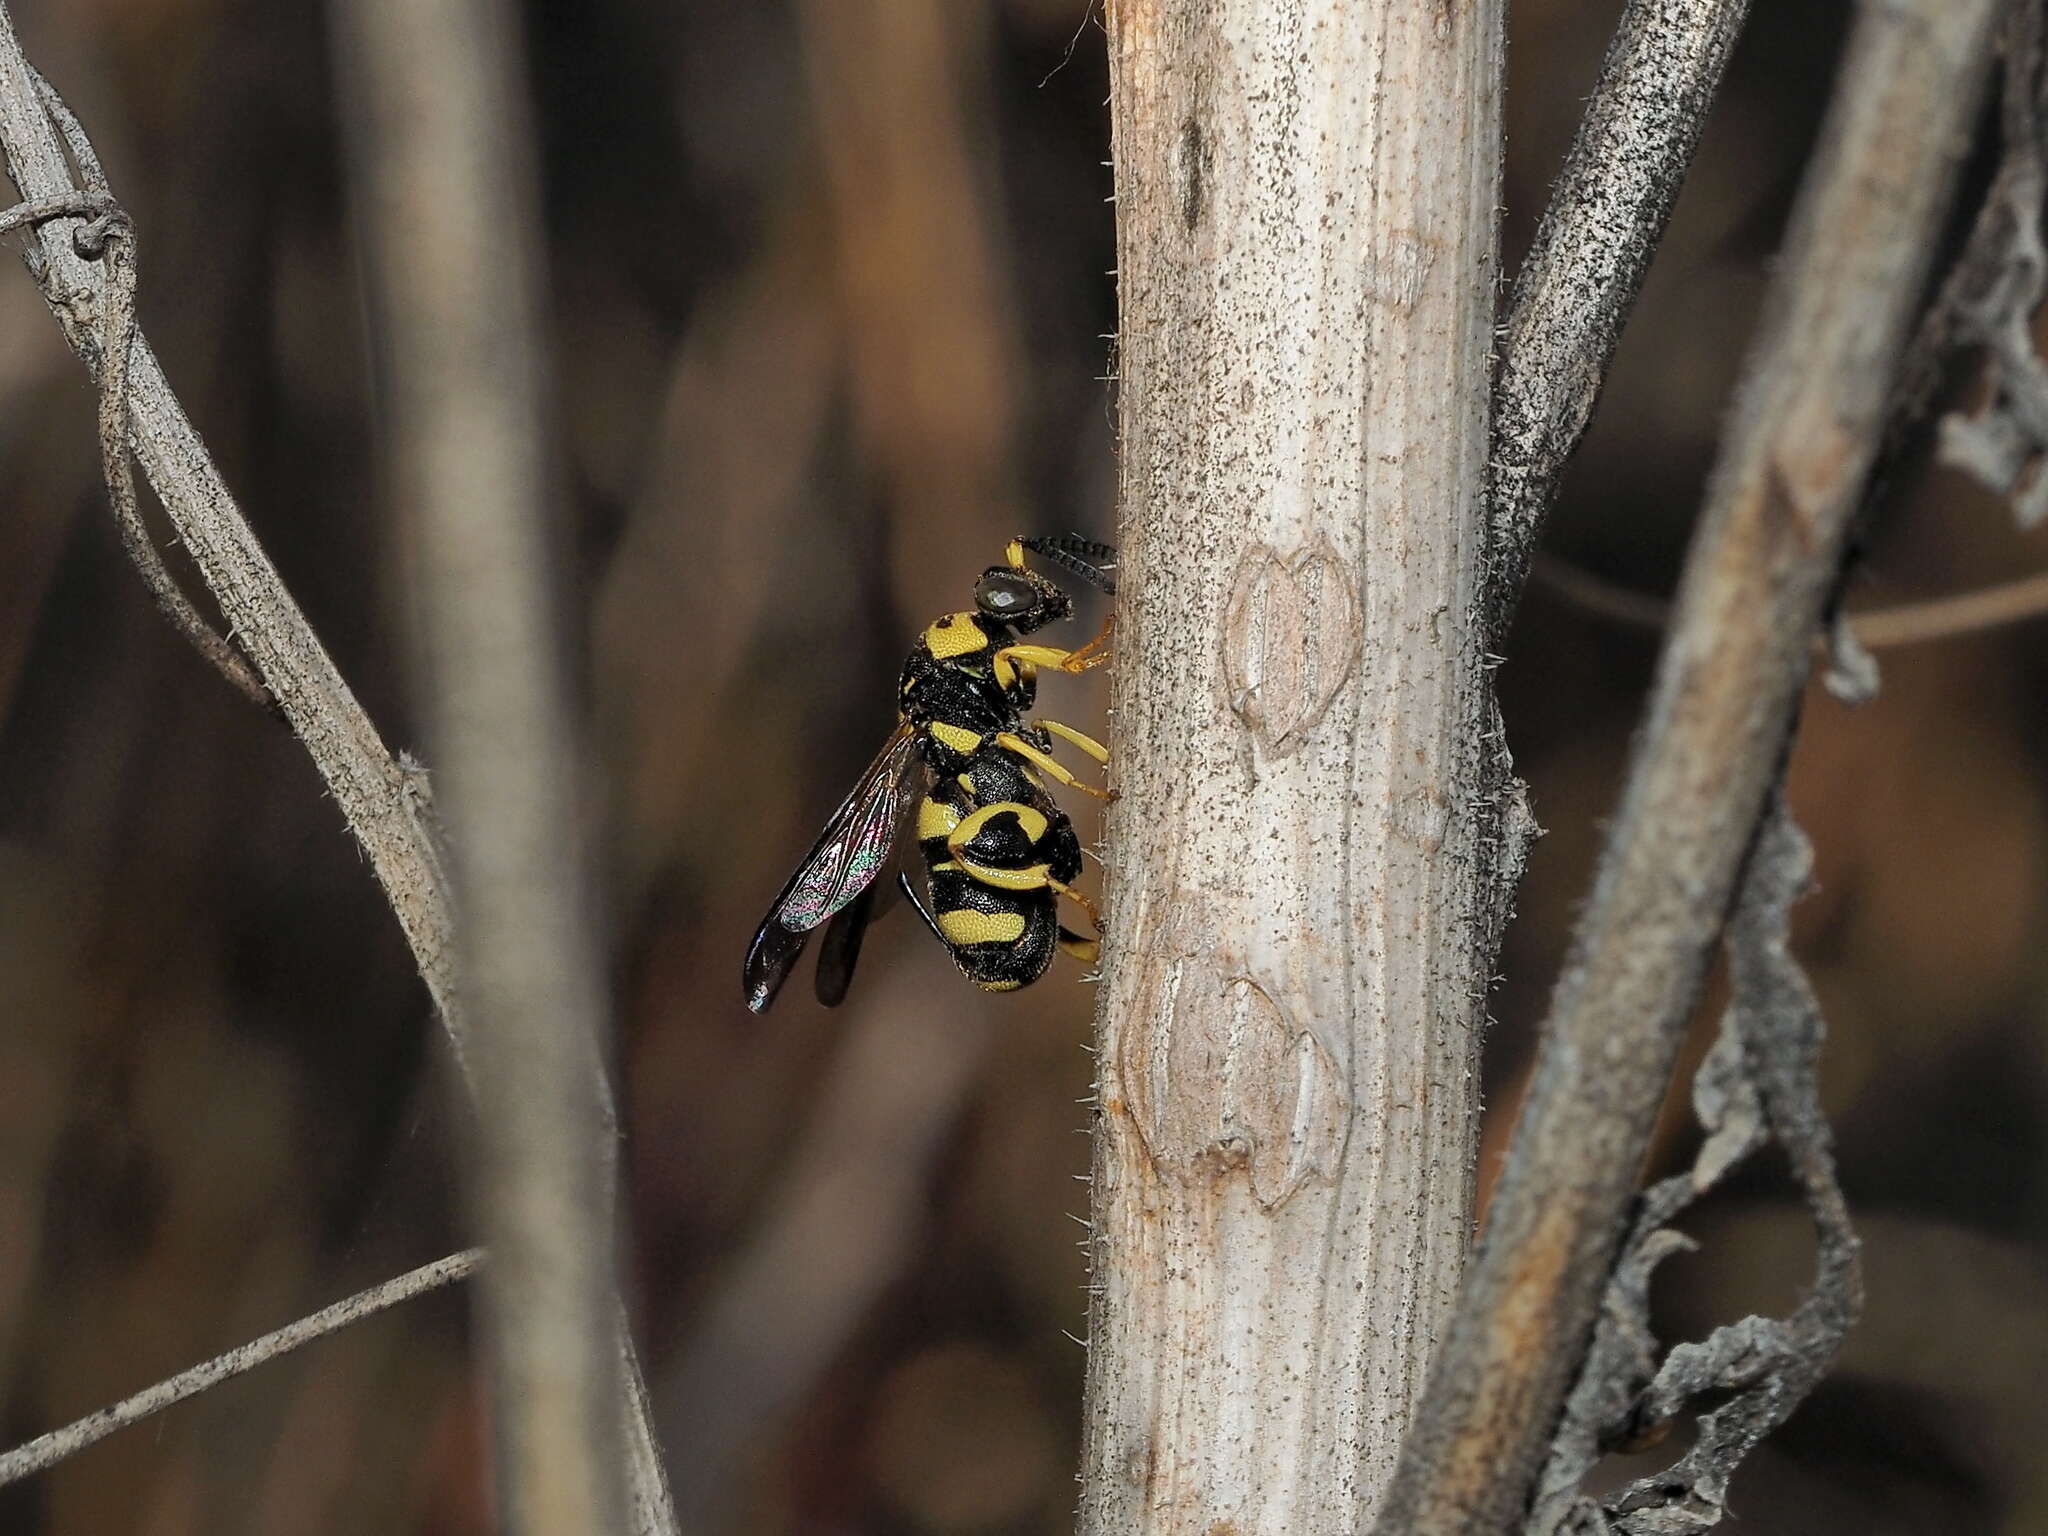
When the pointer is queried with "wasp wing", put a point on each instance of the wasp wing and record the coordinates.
(853, 849)
(839, 945)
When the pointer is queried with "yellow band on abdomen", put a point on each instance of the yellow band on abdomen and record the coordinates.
(964, 925)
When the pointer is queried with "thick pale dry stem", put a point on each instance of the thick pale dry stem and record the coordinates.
(445, 183)
(1763, 565)
(1294, 983)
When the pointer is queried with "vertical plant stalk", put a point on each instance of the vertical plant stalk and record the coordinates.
(444, 181)
(1574, 293)
(1764, 564)
(1299, 916)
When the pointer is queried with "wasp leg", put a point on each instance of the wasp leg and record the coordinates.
(1087, 951)
(1094, 917)
(1087, 655)
(1052, 656)
(903, 879)
(1084, 741)
(1081, 739)
(1046, 763)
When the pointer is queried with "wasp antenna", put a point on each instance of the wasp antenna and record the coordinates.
(1089, 559)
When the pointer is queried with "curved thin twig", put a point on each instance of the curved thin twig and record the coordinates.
(109, 238)
(114, 238)
(48, 1450)
(1914, 623)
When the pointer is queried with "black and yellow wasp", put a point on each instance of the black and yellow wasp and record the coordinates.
(999, 853)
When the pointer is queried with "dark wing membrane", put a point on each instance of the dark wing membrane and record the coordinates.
(852, 850)
(839, 947)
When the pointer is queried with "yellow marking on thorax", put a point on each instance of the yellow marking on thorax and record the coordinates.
(955, 635)
(958, 737)
(935, 818)
(964, 925)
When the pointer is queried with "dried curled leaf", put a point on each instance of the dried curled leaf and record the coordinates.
(1759, 1083)
(2004, 442)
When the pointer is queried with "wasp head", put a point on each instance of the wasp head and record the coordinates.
(1021, 599)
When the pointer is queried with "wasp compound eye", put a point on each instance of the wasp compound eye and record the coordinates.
(1003, 594)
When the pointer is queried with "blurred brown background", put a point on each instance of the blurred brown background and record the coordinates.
(831, 298)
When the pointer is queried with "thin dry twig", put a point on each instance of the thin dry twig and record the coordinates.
(379, 799)
(1936, 618)
(1575, 290)
(443, 171)
(109, 238)
(47, 1450)
(1763, 569)
(382, 797)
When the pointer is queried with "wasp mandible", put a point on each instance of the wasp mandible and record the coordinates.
(999, 853)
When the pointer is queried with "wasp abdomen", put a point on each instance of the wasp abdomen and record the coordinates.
(1001, 939)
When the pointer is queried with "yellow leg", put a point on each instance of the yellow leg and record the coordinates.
(1087, 951)
(1099, 644)
(1047, 764)
(1052, 656)
(1081, 739)
(1094, 917)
